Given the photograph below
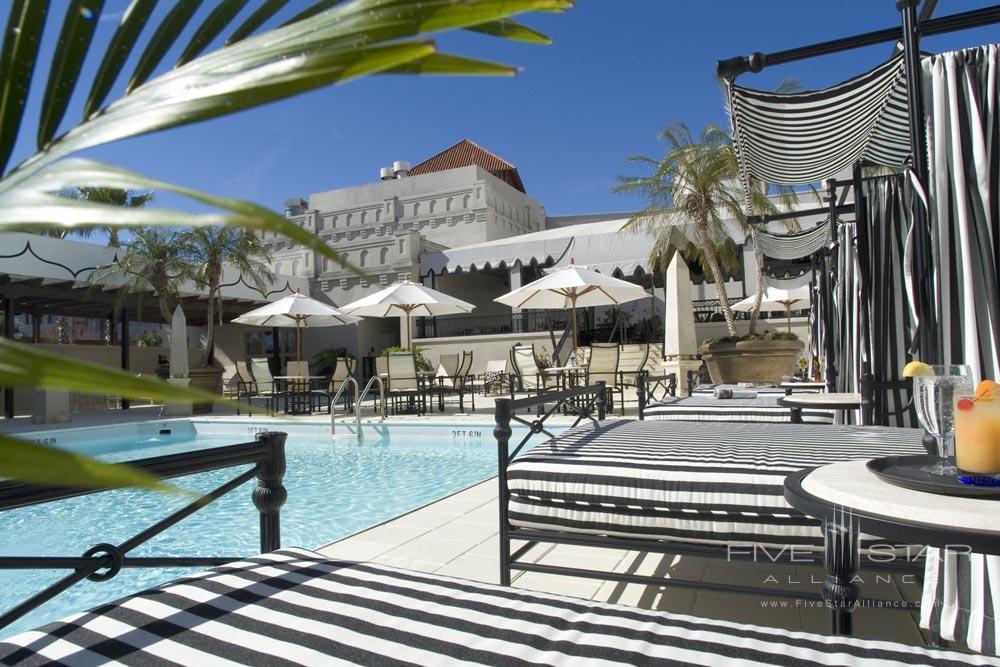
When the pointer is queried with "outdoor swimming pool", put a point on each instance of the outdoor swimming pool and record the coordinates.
(335, 488)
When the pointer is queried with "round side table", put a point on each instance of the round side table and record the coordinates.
(823, 401)
(849, 499)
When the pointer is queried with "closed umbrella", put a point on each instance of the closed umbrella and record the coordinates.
(571, 286)
(296, 310)
(779, 299)
(407, 299)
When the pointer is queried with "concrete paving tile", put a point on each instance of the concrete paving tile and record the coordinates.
(390, 533)
(430, 549)
(354, 549)
(427, 519)
(473, 567)
(546, 583)
(463, 531)
(747, 609)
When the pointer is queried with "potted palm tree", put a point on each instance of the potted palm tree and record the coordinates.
(692, 193)
(210, 249)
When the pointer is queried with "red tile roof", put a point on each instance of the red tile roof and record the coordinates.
(466, 153)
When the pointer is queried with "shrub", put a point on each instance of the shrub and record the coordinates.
(764, 335)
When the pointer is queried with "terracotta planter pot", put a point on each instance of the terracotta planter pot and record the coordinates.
(757, 361)
(207, 378)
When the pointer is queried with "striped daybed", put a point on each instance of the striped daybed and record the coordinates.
(295, 607)
(684, 481)
(702, 407)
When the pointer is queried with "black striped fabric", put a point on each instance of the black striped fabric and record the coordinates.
(962, 98)
(294, 607)
(792, 246)
(764, 408)
(686, 481)
(795, 138)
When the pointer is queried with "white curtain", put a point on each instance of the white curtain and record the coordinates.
(961, 95)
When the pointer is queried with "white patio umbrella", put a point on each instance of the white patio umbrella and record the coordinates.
(407, 299)
(779, 299)
(296, 310)
(571, 286)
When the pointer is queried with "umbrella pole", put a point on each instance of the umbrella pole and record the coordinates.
(576, 342)
(409, 335)
(298, 339)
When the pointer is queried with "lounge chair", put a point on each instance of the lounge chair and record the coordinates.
(403, 381)
(266, 387)
(341, 371)
(631, 362)
(297, 369)
(300, 607)
(702, 405)
(528, 377)
(603, 366)
(249, 387)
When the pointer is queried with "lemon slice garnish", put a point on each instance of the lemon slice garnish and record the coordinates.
(917, 369)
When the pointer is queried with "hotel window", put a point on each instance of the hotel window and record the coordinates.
(364, 217)
(363, 258)
(447, 203)
(383, 256)
(259, 344)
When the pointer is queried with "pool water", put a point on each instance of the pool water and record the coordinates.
(335, 488)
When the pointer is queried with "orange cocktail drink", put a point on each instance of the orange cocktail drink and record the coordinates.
(977, 430)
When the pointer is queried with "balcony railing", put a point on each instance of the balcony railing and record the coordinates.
(526, 321)
(709, 310)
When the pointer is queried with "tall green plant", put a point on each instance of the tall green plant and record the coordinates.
(326, 44)
(156, 260)
(211, 249)
(692, 194)
(115, 197)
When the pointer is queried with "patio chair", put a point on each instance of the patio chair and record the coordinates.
(261, 381)
(382, 366)
(604, 366)
(631, 362)
(529, 378)
(404, 382)
(341, 371)
(448, 366)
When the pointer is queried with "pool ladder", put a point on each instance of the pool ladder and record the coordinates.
(359, 396)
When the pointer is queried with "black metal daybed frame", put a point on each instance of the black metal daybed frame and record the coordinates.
(584, 402)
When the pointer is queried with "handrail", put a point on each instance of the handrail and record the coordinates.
(381, 395)
(333, 402)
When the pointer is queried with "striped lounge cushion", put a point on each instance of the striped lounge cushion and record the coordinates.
(294, 607)
(686, 481)
(764, 408)
(709, 389)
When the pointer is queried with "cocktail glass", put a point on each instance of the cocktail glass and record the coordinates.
(977, 433)
(934, 398)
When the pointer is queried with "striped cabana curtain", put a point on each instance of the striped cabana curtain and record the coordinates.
(795, 138)
(961, 99)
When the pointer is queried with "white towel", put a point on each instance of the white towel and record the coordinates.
(731, 392)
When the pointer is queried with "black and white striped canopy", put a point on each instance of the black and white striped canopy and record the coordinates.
(804, 137)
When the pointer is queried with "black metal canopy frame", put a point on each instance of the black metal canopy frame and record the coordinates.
(102, 562)
(928, 344)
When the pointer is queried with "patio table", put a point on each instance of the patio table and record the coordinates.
(824, 401)
(850, 499)
(297, 392)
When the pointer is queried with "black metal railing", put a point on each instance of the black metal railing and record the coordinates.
(102, 562)
(709, 310)
(527, 321)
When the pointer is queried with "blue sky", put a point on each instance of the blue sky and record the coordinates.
(618, 71)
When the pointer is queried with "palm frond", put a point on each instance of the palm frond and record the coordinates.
(17, 62)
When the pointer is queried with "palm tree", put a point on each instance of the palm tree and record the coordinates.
(115, 197)
(156, 259)
(210, 249)
(691, 193)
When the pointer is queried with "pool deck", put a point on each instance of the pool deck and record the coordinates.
(458, 536)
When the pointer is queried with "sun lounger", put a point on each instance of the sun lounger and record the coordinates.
(295, 607)
(764, 408)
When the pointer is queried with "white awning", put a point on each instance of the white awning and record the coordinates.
(600, 246)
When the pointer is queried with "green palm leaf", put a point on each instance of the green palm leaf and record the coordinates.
(38, 464)
(442, 64)
(511, 30)
(71, 49)
(162, 40)
(216, 22)
(26, 366)
(256, 20)
(133, 21)
(17, 61)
